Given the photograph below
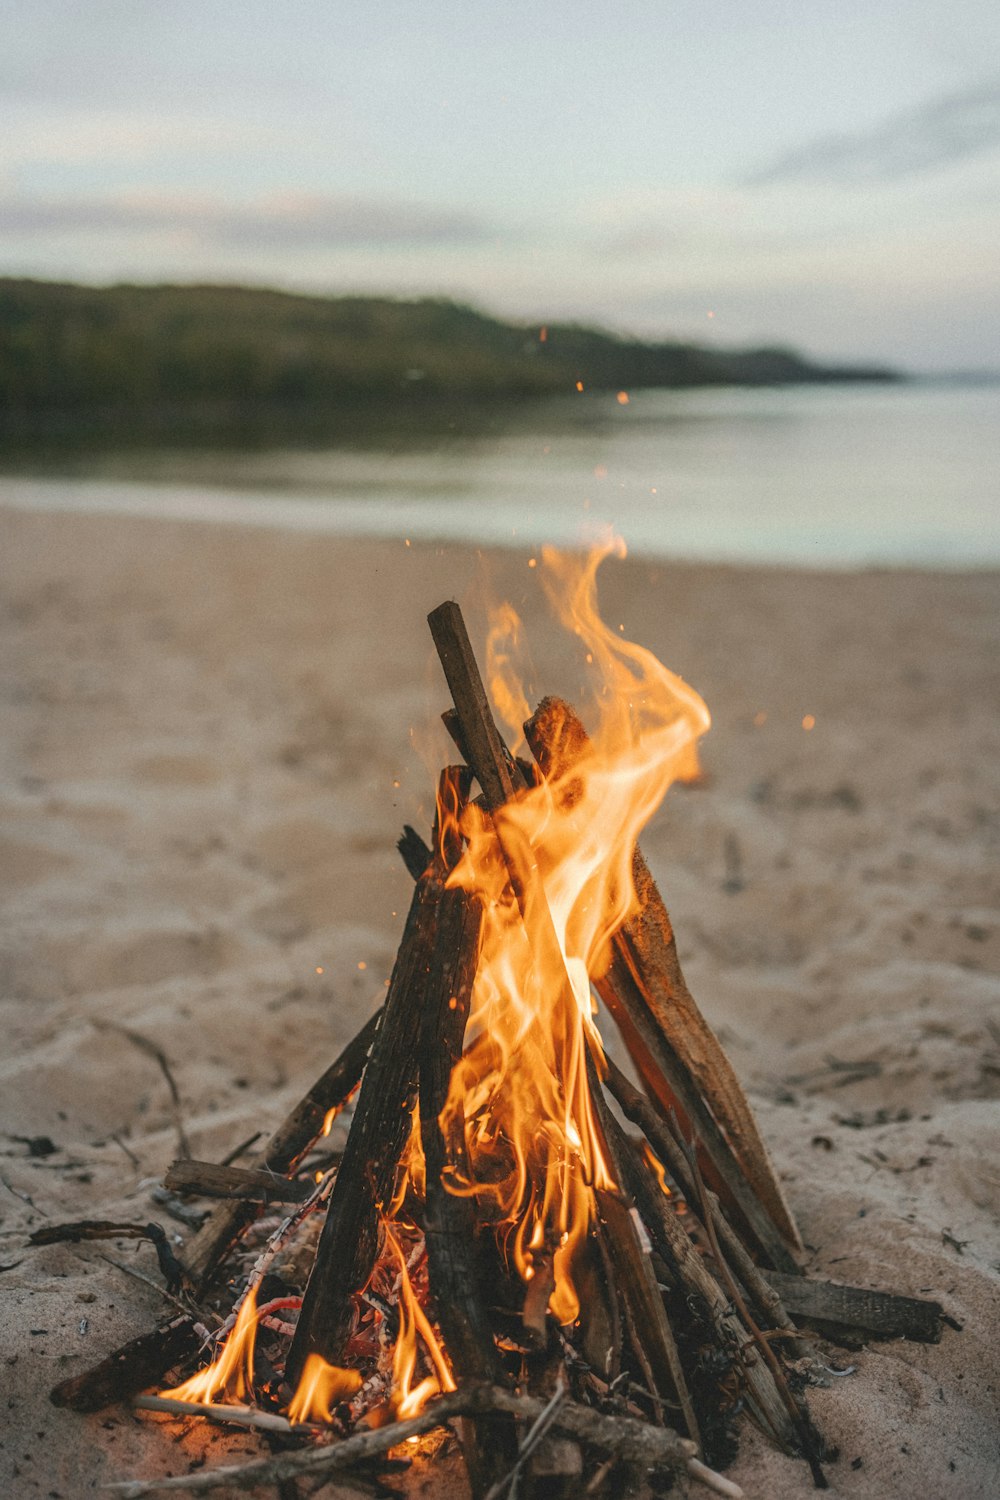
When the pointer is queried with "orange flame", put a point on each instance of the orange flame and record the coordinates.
(411, 1399)
(658, 1167)
(320, 1388)
(231, 1372)
(521, 1087)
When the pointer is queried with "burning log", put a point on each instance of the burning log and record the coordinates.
(282, 1154)
(364, 1187)
(674, 1048)
(450, 1227)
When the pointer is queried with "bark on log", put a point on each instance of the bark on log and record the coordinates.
(141, 1362)
(282, 1154)
(646, 950)
(348, 1246)
(489, 1443)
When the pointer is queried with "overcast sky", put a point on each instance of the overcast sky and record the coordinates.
(819, 172)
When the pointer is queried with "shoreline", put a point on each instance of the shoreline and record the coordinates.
(210, 741)
(378, 518)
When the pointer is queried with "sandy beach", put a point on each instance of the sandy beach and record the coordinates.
(211, 738)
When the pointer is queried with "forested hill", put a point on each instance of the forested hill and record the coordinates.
(157, 356)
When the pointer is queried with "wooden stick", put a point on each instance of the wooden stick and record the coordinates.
(480, 740)
(620, 1437)
(883, 1314)
(499, 777)
(646, 950)
(221, 1411)
(140, 1363)
(348, 1246)
(649, 1326)
(251, 1184)
(282, 1154)
(489, 1443)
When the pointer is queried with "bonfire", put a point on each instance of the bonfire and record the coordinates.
(592, 1277)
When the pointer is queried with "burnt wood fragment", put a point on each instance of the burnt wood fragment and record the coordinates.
(349, 1243)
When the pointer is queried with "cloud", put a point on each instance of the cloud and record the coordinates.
(939, 132)
(289, 220)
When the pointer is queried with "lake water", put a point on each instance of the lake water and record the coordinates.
(823, 476)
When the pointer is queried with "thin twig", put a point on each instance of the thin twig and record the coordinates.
(241, 1416)
(239, 1150)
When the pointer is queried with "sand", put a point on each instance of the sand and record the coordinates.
(210, 740)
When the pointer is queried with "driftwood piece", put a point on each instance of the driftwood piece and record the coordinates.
(141, 1362)
(225, 1412)
(645, 949)
(489, 1443)
(413, 851)
(479, 739)
(348, 1246)
(250, 1184)
(656, 1448)
(281, 1155)
(856, 1309)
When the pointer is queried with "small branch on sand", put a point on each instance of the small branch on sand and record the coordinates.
(107, 1229)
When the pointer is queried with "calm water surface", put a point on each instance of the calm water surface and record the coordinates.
(839, 477)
